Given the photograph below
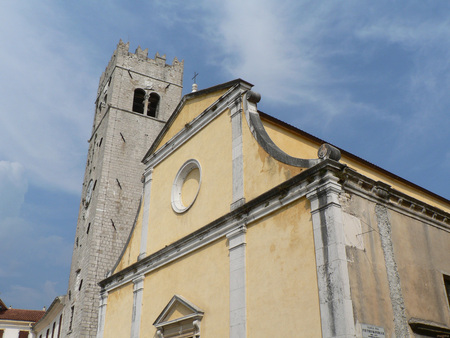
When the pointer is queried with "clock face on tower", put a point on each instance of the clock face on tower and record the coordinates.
(89, 193)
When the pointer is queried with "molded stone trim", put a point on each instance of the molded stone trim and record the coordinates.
(145, 215)
(238, 306)
(189, 323)
(176, 198)
(237, 154)
(177, 299)
(102, 313)
(380, 192)
(138, 289)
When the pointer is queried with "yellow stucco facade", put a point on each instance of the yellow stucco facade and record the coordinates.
(281, 275)
(118, 312)
(258, 246)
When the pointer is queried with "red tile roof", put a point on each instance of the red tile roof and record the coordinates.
(22, 315)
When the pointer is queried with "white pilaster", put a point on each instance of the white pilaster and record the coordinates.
(138, 289)
(145, 216)
(238, 307)
(101, 313)
(237, 154)
(336, 309)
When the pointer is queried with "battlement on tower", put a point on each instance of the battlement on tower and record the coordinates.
(139, 62)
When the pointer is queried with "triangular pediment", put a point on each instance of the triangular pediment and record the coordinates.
(204, 102)
(177, 310)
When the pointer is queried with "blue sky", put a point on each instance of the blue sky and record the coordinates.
(370, 77)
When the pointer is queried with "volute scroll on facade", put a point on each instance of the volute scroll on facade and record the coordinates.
(326, 151)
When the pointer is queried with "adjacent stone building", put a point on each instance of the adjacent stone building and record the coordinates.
(50, 325)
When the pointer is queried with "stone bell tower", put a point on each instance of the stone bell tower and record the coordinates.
(136, 96)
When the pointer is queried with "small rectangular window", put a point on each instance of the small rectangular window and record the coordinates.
(23, 334)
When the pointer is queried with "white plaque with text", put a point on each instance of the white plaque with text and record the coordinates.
(372, 331)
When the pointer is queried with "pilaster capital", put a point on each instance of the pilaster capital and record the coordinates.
(103, 298)
(324, 188)
(138, 283)
(148, 175)
(236, 237)
(235, 107)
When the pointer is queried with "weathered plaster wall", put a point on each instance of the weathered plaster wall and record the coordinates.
(261, 171)
(118, 312)
(292, 144)
(422, 254)
(187, 277)
(368, 280)
(215, 195)
(281, 275)
(396, 266)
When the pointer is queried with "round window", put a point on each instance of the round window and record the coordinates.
(186, 186)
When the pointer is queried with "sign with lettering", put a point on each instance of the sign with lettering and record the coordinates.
(372, 331)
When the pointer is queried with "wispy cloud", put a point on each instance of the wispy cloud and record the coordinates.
(36, 295)
(43, 119)
(13, 185)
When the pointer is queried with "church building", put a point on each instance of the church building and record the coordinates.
(203, 217)
(250, 227)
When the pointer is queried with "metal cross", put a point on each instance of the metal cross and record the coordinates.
(195, 77)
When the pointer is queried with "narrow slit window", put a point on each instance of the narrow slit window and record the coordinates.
(72, 310)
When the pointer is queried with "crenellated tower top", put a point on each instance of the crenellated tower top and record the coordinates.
(131, 78)
(139, 60)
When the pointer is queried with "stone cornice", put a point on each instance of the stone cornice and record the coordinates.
(272, 200)
(383, 193)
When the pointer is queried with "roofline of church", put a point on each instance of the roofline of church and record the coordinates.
(350, 155)
(283, 124)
